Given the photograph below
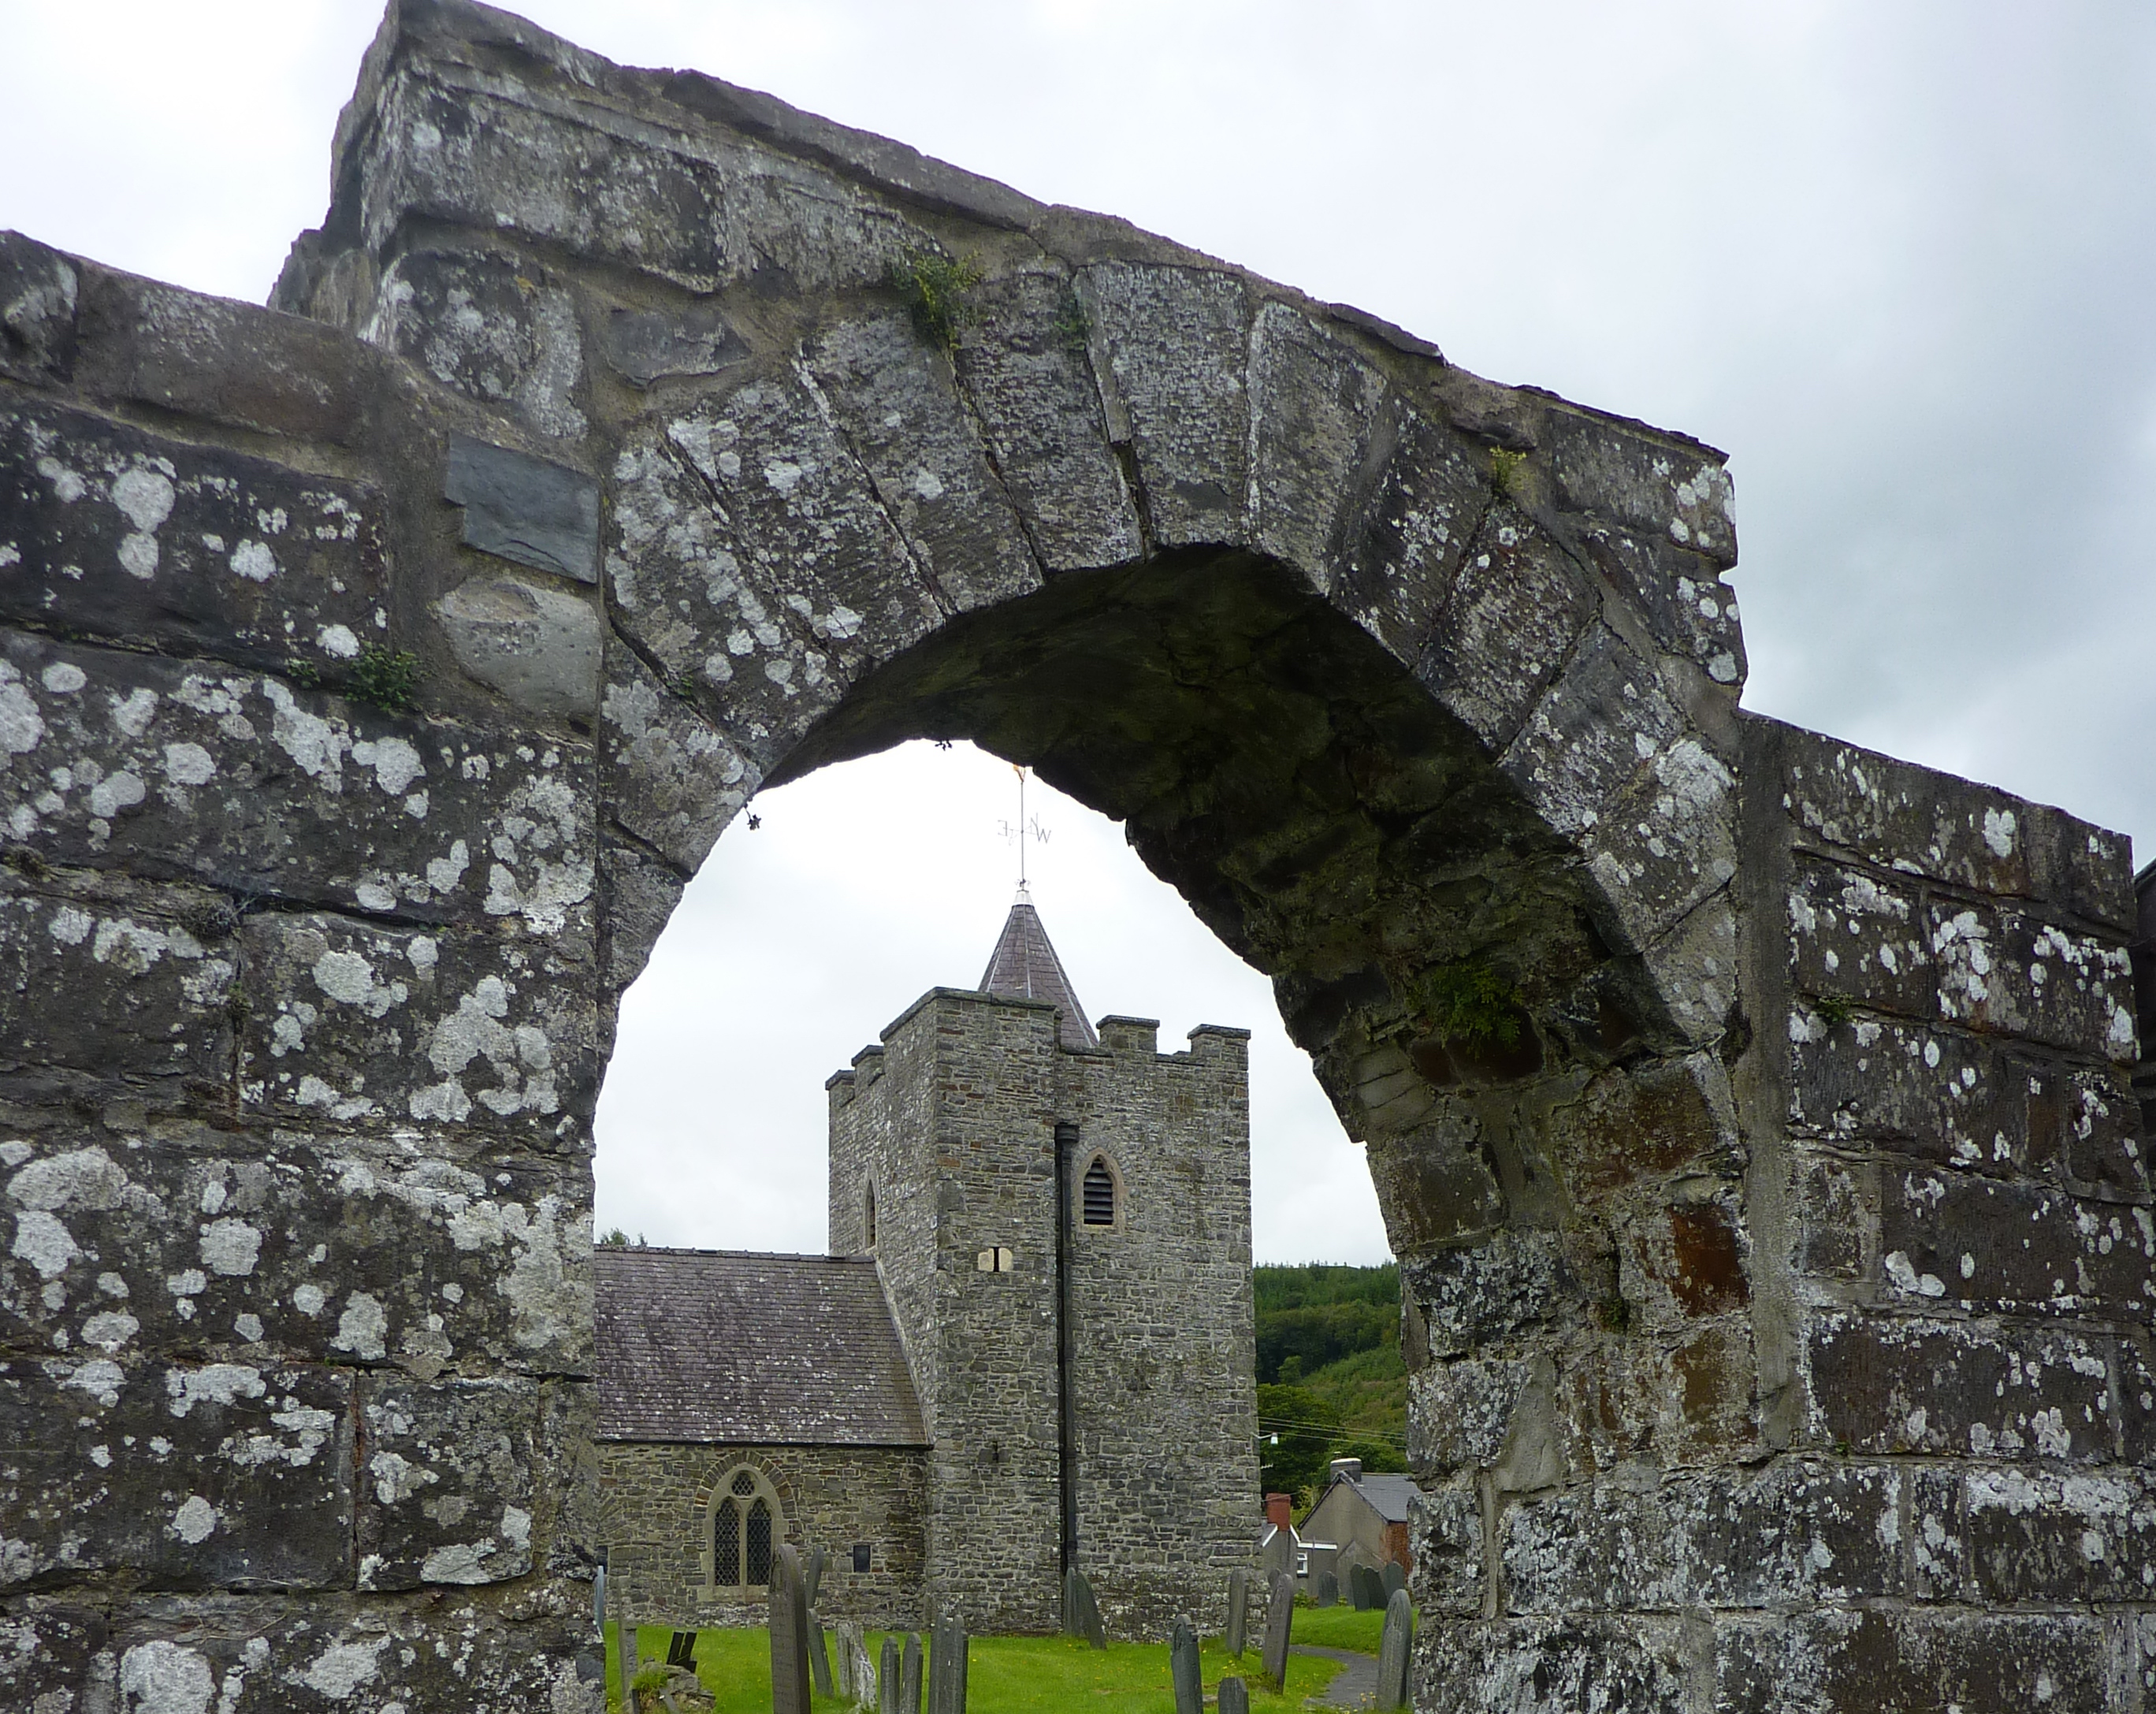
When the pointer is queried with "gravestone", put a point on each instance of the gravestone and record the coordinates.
(681, 1650)
(789, 1635)
(843, 1656)
(947, 1670)
(888, 1683)
(819, 1655)
(627, 1627)
(1363, 1588)
(1234, 1696)
(861, 1669)
(1394, 1651)
(1326, 1586)
(1394, 1577)
(909, 1689)
(1182, 1669)
(814, 1574)
(1081, 1612)
(1280, 1622)
(1239, 1611)
(1279, 1559)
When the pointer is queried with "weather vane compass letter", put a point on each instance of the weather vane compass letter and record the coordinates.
(1019, 831)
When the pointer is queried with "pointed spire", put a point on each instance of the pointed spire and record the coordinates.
(1024, 967)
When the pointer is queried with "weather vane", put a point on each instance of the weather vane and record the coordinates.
(1021, 830)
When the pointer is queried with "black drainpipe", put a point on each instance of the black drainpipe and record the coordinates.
(1066, 1450)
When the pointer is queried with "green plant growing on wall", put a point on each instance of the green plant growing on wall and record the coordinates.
(386, 677)
(1833, 1008)
(935, 288)
(1472, 1004)
(1507, 471)
(1073, 327)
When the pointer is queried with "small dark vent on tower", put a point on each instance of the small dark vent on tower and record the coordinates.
(1099, 1198)
(1024, 967)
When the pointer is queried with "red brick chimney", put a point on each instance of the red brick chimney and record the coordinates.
(1280, 1510)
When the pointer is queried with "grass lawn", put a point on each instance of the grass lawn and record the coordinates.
(1011, 1674)
(1339, 1627)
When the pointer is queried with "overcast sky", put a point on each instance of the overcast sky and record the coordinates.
(1899, 261)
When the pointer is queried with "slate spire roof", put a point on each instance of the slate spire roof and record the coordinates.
(1024, 967)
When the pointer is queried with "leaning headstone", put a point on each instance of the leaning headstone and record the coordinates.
(1394, 1578)
(947, 1670)
(1234, 1696)
(1182, 1669)
(909, 1688)
(789, 1635)
(1280, 1621)
(843, 1657)
(813, 1574)
(1239, 1611)
(1394, 1651)
(887, 1681)
(1326, 1586)
(1081, 1612)
(819, 1655)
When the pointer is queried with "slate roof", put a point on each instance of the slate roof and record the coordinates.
(727, 1347)
(1024, 967)
(1386, 1492)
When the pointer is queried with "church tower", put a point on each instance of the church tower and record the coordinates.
(1060, 1218)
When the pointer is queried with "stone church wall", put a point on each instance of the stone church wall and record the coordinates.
(1163, 1334)
(967, 1082)
(657, 1501)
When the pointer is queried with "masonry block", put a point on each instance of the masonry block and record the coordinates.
(306, 1248)
(187, 1476)
(111, 530)
(1882, 1385)
(447, 1493)
(1859, 1662)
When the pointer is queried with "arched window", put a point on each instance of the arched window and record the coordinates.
(746, 1526)
(868, 1213)
(1098, 1203)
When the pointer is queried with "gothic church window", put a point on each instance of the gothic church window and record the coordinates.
(746, 1525)
(1098, 1200)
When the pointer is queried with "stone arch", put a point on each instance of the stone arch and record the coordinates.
(371, 688)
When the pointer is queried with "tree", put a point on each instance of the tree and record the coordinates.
(1296, 1432)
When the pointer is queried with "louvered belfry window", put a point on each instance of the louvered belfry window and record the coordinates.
(1100, 1194)
(745, 1527)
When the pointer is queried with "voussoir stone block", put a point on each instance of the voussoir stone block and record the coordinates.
(1024, 363)
(1678, 493)
(750, 559)
(1399, 560)
(892, 395)
(1187, 417)
(1314, 402)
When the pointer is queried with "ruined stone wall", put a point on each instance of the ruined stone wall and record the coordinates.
(959, 1129)
(657, 1499)
(1162, 1334)
(599, 395)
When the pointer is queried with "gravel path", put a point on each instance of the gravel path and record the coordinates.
(1354, 1686)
